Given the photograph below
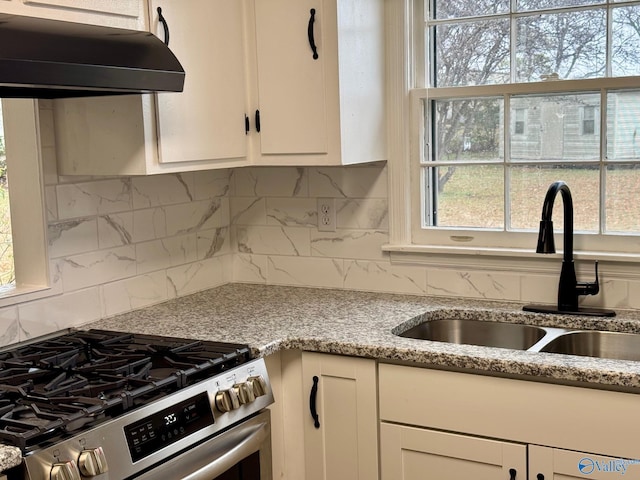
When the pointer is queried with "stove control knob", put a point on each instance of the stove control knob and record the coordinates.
(227, 400)
(93, 462)
(245, 393)
(65, 471)
(258, 385)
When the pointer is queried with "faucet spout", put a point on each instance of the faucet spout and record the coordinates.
(545, 235)
(569, 289)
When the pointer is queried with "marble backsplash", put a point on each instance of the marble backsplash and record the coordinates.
(274, 229)
(118, 244)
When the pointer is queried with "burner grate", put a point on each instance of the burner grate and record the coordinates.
(51, 388)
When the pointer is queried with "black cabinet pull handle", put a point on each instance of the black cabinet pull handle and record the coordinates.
(165, 26)
(257, 120)
(512, 474)
(246, 125)
(312, 403)
(312, 41)
(540, 476)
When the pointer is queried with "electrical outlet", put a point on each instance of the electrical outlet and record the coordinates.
(326, 214)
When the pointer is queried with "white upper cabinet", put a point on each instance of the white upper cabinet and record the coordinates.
(205, 121)
(241, 58)
(200, 128)
(114, 13)
(325, 108)
(291, 84)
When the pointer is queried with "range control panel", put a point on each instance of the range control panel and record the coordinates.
(167, 426)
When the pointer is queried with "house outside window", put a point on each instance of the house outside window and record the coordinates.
(551, 70)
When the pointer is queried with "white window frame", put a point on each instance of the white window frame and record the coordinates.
(407, 240)
(27, 202)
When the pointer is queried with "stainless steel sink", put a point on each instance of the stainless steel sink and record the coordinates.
(516, 336)
(477, 332)
(601, 344)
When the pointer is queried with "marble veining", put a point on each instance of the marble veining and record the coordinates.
(271, 318)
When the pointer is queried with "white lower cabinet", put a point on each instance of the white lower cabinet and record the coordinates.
(547, 463)
(344, 444)
(409, 453)
(455, 426)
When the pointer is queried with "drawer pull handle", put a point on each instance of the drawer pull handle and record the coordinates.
(312, 402)
(540, 476)
(512, 474)
(312, 41)
(165, 26)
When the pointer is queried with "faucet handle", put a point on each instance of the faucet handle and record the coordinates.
(589, 288)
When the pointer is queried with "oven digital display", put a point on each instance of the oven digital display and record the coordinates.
(167, 426)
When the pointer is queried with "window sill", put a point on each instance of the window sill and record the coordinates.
(13, 296)
(510, 259)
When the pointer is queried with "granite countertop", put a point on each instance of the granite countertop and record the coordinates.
(274, 318)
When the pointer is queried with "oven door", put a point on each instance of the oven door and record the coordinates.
(240, 453)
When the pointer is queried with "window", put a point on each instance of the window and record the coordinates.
(28, 277)
(513, 95)
(7, 271)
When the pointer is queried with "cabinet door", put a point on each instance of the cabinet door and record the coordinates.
(206, 120)
(547, 463)
(291, 88)
(129, 14)
(344, 447)
(409, 453)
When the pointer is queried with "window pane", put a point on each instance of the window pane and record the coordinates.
(555, 128)
(528, 5)
(623, 125)
(463, 8)
(467, 196)
(472, 53)
(529, 185)
(468, 130)
(568, 45)
(621, 204)
(7, 271)
(625, 49)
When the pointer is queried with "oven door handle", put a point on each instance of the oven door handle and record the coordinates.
(236, 450)
(217, 455)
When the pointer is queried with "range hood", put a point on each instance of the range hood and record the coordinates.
(42, 58)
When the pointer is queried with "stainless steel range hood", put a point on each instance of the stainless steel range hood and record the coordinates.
(53, 59)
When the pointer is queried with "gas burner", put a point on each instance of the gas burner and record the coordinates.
(61, 385)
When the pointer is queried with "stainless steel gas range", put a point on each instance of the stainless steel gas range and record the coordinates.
(110, 405)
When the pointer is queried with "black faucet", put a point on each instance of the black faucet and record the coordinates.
(569, 289)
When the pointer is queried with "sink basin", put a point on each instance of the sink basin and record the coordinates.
(613, 345)
(476, 332)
